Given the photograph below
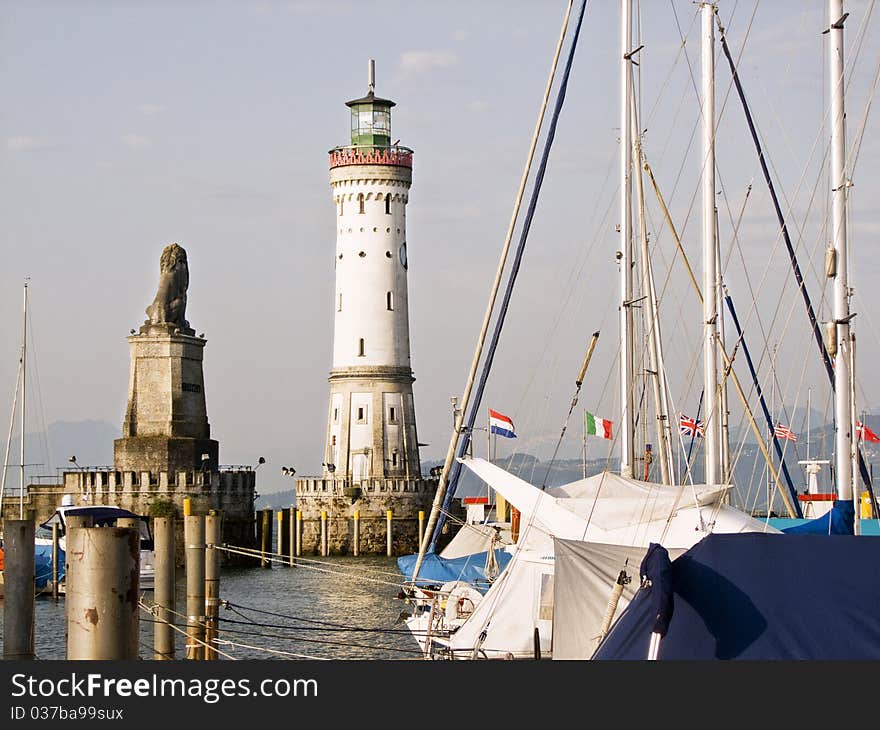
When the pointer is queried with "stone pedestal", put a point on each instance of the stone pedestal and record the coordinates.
(166, 423)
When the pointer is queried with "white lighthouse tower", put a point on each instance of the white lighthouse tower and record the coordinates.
(371, 430)
(371, 451)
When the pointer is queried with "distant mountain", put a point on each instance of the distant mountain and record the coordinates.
(45, 452)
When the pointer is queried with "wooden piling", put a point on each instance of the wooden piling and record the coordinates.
(18, 577)
(55, 557)
(163, 587)
(194, 541)
(266, 538)
(357, 532)
(213, 536)
(324, 533)
(388, 518)
(291, 539)
(103, 568)
(299, 532)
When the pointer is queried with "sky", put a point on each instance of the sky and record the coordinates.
(130, 125)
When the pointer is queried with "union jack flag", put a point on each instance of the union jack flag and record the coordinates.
(784, 432)
(690, 427)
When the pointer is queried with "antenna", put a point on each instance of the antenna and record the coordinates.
(372, 75)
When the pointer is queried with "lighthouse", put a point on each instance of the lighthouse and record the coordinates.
(371, 454)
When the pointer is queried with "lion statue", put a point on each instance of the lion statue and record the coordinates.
(169, 306)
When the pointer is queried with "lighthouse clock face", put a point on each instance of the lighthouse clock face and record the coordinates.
(403, 254)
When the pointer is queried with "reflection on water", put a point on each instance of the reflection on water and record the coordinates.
(329, 610)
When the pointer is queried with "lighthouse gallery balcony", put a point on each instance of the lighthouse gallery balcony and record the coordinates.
(371, 155)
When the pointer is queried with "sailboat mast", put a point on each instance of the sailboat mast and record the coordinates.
(842, 416)
(23, 401)
(625, 255)
(655, 373)
(712, 440)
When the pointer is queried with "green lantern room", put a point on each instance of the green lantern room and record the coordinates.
(370, 121)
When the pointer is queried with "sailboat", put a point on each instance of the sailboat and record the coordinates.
(20, 387)
(727, 597)
(619, 514)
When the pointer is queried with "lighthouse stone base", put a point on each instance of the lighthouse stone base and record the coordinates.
(371, 499)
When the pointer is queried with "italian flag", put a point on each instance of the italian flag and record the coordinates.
(597, 426)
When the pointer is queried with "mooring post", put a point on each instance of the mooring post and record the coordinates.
(421, 526)
(282, 532)
(291, 537)
(324, 533)
(194, 541)
(357, 532)
(266, 541)
(213, 537)
(18, 576)
(55, 556)
(388, 517)
(299, 532)
(70, 523)
(103, 567)
(163, 587)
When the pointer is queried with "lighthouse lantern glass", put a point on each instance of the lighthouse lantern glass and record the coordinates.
(370, 125)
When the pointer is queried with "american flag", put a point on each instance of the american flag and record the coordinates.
(689, 427)
(784, 432)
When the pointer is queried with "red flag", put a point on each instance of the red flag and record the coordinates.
(863, 432)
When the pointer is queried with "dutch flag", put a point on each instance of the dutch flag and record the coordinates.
(501, 425)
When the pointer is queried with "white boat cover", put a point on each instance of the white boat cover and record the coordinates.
(586, 574)
(636, 514)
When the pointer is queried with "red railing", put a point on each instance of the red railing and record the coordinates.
(368, 155)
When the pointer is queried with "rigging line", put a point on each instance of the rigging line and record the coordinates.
(189, 638)
(336, 629)
(9, 436)
(271, 651)
(284, 561)
(578, 382)
(450, 462)
(817, 333)
(514, 270)
(326, 642)
(291, 637)
(358, 569)
(319, 623)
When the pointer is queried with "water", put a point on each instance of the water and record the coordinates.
(328, 611)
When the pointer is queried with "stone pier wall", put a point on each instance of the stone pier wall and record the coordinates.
(154, 494)
(371, 499)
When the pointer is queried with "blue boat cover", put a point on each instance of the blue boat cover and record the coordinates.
(467, 568)
(657, 568)
(43, 565)
(838, 520)
(762, 596)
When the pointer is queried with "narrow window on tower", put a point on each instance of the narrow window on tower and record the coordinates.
(361, 202)
(389, 301)
(335, 420)
(361, 347)
(393, 458)
(339, 305)
(341, 202)
(388, 205)
(392, 415)
(361, 414)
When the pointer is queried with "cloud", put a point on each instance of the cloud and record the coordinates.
(22, 144)
(135, 141)
(151, 110)
(415, 62)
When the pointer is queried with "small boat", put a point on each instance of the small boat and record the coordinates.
(102, 516)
